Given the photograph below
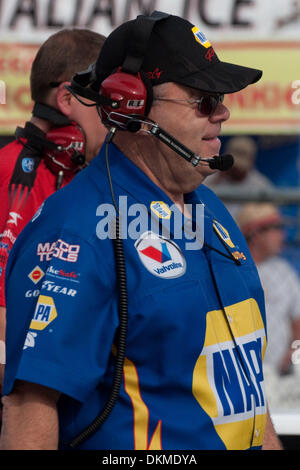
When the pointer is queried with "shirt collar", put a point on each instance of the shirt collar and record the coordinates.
(127, 177)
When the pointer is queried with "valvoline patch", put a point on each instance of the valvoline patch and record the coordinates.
(161, 257)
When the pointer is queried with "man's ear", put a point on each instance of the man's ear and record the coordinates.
(63, 99)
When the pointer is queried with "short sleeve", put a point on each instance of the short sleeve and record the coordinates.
(62, 310)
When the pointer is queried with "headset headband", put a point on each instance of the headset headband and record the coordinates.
(139, 41)
(86, 84)
(80, 86)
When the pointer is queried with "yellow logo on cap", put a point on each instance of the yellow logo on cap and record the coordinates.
(200, 37)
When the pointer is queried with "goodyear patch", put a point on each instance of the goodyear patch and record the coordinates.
(45, 312)
(201, 38)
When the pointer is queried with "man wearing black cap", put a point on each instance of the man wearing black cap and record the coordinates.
(147, 328)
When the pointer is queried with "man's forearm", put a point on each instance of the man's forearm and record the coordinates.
(30, 419)
(271, 441)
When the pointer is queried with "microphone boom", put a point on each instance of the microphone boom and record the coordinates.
(134, 123)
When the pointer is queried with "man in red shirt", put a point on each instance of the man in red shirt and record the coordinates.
(31, 169)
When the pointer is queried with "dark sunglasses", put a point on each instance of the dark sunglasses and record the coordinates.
(207, 104)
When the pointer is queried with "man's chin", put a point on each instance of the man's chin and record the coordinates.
(205, 170)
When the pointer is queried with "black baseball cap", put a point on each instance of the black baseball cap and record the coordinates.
(175, 51)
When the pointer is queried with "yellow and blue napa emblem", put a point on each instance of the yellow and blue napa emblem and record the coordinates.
(200, 37)
(228, 380)
(45, 312)
(224, 235)
(161, 209)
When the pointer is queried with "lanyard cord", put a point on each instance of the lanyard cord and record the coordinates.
(227, 249)
(122, 330)
(232, 258)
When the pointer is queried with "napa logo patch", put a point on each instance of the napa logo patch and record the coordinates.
(161, 209)
(200, 37)
(224, 235)
(228, 381)
(45, 312)
(161, 257)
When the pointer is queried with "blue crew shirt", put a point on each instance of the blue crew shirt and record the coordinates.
(192, 375)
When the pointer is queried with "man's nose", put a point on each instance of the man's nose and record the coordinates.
(220, 114)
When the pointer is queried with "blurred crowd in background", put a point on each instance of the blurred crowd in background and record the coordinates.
(260, 191)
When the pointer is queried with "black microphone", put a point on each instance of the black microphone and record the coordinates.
(221, 162)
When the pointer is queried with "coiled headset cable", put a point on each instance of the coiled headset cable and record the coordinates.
(123, 319)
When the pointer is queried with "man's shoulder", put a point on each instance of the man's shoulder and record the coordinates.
(221, 214)
(206, 193)
(8, 156)
(74, 205)
(214, 203)
(6, 149)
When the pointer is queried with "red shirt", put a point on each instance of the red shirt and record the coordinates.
(25, 182)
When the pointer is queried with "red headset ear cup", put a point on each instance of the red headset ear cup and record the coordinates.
(133, 92)
(68, 150)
